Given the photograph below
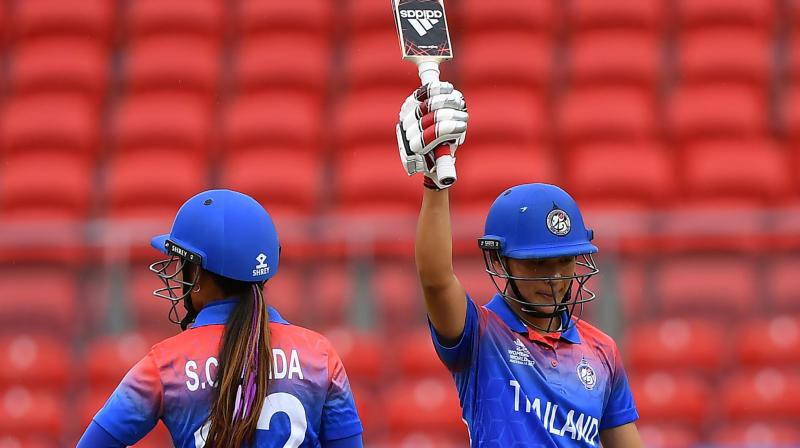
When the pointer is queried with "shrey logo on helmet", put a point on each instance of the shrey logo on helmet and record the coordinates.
(586, 374)
(262, 268)
(558, 222)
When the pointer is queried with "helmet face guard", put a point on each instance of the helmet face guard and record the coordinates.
(177, 289)
(561, 311)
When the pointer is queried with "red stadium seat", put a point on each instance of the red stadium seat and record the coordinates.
(67, 189)
(39, 297)
(286, 291)
(174, 63)
(368, 16)
(752, 395)
(756, 434)
(362, 354)
(794, 52)
(279, 178)
(397, 294)
(471, 272)
(714, 224)
(703, 13)
(791, 113)
(272, 119)
(91, 18)
(615, 58)
(538, 15)
(506, 115)
(333, 292)
(203, 17)
(633, 288)
(667, 436)
(637, 172)
(108, 359)
(644, 14)
(676, 344)
(140, 182)
(166, 122)
(718, 111)
(428, 404)
(61, 65)
(35, 360)
(606, 114)
(271, 16)
(28, 442)
(31, 412)
(715, 284)
(416, 356)
(148, 312)
(374, 184)
(755, 170)
(375, 61)
(272, 62)
(60, 122)
(531, 71)
(363, 118)
(671, 398)
(505, 165)
(783, 282)
(725, 55)
(774, 341)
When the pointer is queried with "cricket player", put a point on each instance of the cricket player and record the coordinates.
(529, 372)
(239, 375)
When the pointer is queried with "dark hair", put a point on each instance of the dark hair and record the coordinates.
(244, 366)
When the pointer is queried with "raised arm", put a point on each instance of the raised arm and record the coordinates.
(435, 117)
(444, 296)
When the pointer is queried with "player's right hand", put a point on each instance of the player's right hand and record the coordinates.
(434, 114)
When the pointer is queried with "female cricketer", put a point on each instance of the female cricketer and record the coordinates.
(529, 372)
(239, 375)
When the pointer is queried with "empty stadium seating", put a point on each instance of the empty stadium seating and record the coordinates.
(671, 398)
(201, 17)
(644, 15)
(92, 18)
(61, 65)
(615, 58)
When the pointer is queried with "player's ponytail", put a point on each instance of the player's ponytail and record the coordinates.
(244, 368)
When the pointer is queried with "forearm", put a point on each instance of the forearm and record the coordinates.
(434, 246)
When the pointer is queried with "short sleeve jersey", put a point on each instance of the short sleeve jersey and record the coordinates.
(309, 398)
(519, 388)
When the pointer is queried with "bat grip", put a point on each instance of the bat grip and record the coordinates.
(445, 163)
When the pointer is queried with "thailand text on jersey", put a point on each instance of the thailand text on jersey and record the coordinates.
(309, 396)
(519, 388)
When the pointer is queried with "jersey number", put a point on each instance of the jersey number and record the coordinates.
(275, 403)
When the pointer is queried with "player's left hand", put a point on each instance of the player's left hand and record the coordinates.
(434, 114)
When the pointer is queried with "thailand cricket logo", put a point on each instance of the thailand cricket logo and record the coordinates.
(558, 222)
(586, 374)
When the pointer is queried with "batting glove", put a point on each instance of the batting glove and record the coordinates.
(434, 114)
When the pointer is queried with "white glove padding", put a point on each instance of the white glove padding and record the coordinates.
(434, 114)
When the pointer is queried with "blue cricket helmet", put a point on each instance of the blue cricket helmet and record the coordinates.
(536, 221)
(227, 233)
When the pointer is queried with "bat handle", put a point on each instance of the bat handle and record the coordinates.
(445, 163)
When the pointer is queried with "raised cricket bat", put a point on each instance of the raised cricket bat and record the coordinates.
(425, 40)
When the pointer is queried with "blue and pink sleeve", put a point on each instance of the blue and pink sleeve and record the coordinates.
(136, 405)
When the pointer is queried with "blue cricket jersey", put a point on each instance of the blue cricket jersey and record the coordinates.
(519, 388)
(309, 402)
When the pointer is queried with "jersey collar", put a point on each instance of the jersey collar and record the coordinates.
(499, 306)
(217, 313)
